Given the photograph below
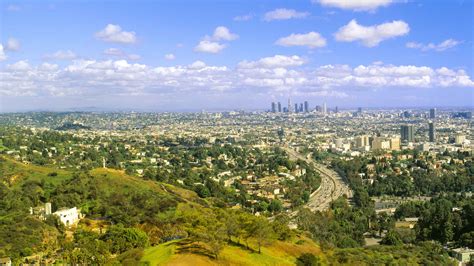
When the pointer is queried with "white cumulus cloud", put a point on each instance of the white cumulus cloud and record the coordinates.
(205, 46)
(114, 33)
(223, 33)
(212, 44)
(284, 14)
(270, 74)
(371, 36)
(356, 5)
(445, 45)
(273, 62)
(311, 39)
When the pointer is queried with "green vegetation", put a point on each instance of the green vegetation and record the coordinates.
(423, 254)
(142, 213)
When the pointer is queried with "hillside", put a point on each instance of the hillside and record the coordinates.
(102, 194)
(130, 220)
(184, 253)
(109, 197)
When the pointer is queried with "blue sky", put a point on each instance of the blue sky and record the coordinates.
(191, 55)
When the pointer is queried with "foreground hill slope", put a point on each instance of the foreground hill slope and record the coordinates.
(132, 221)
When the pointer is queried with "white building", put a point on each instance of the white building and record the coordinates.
(69, 216)
(5, 261)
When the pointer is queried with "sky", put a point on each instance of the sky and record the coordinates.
(223, 55)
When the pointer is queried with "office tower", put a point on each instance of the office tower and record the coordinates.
(279, 107)
(289, 105)
(406, 132)
(296, 108)
(459, 138)
(336, 110)
(433, 113)
(318, 108)
(359, 110)
(273, 107)
(380, 143)
(362, 141)
(324, 108)
(466, 115)
(395, 144)
(285, 110)
(432, 133)
(306, 106)
(301, 108)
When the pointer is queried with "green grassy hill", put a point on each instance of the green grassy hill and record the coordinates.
(135, 207)
(181, 252)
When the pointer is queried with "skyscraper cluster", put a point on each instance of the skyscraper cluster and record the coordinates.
(297, 107)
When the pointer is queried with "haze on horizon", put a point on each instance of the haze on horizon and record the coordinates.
(190, 55)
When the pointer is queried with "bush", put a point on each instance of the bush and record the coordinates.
(122, 238)
(308, 259)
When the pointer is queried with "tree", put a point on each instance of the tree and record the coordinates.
(275, 206)
(436, 223)
(385, 222)
(280, 227)
(262, 231)
(392, 238)
(215, 238)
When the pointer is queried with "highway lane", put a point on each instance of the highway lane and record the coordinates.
(332, 185)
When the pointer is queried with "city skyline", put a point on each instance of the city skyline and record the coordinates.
(86, 55)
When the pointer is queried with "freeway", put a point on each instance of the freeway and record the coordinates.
(332, 185)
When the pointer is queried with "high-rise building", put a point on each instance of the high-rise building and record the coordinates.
(324, 108)
(395, 144)
(306, 106)
(380, 143)
(289, 105)
(336, 110)
(359, 110)
(433, 113)
(279, 107)
(466, 115)
(362, 141)
(273, 107)
(296, 108)
(407, 134)
(318, 108)
(406, 114)
(432, 133)
(301, 108)
(459, 138)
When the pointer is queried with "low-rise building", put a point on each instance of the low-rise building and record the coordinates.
(463, 255)
(69, 217)
(5, 261)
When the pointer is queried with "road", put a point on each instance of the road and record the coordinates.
(332, 185)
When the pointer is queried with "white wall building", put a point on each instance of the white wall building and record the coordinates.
(69, 216)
